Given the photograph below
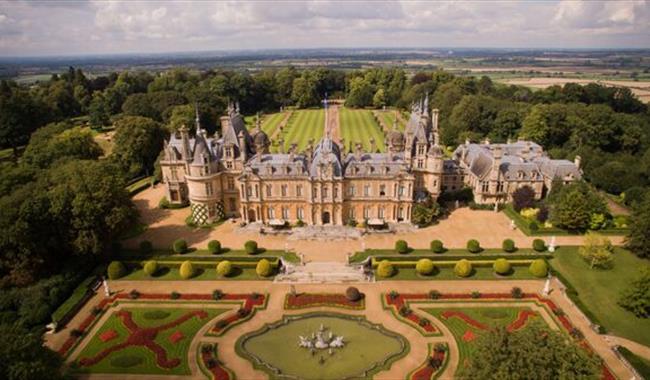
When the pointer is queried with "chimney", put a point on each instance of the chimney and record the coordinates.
(467, 142)
(185, 138)
(577, 160)
(373, 145)
(357, 151)
(242, 146)
(436, 138)
(434, 119)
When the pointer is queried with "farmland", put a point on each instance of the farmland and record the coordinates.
(302, 126)
(359, 126)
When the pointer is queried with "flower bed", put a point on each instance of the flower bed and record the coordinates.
(396, 301)
(108, 335)
(176, 337)
(251, 302)
(307, 300)
(210, 364)
(428, 370)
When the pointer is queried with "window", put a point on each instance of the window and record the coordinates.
(300, 213)
(351, 190)
(500, 186)
(299, 190)
(485, 186)
(420, 163)
(435, 183)
(352, 213)
(421, 149)
(257, 191)
(232, 204)
(249, 191)
(400, 213)
(205, 159)
(315, 192)
(268, 190)
(401, 190)
(228, 152)
(366, 212)
(382, 190)
(228, 165)
(325, 192)
(208, 189)
(283, 190)
(366, 191)
(285, 213)
(336, 192)
(271, 213)
(231, 183)
(174, 173)
(380, 212)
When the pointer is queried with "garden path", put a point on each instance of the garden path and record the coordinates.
(637, 348)
(333, 126)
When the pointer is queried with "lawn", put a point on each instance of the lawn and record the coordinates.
(388, 117)
(479, 320)
(367, 347)
(270, 123)
(177, 329)
(303, 126)
(447, 273)
(456, 253)
(599, 290)
(359, 126)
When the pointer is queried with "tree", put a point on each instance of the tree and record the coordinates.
(98, 111)
(20, 115)
(534, 352)
(379, 100)
(304, 92)
(597, 250)
(636, 297)
(59, 141)
(523, 197)
(571, 211)
(24, 356)
(138, 141)
(638, 240)
(360, 93)
(423, 215)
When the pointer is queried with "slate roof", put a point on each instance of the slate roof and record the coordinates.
(326, 153)
(279, 164)
(375, 165)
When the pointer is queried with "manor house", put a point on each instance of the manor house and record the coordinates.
(235, 175)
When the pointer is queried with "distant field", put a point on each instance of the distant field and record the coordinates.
(302, 126)
(640, 88)
(360, 126)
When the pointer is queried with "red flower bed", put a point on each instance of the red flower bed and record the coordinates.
(218, 372)
(469, 336)
(465, 318)
(176, 336)
(521, 320)
(427, 371)
(304, 300)
(108, 335)
(250, 303)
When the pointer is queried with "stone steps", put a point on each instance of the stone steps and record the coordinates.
(322, 272)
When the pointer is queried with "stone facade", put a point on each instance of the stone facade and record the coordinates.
(234, 175)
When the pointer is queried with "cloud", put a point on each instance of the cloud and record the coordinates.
(107, 26)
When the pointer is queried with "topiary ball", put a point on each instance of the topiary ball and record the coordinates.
(224, 268)
(385, 269)
(187, 270)
(115, 270)
(352, 294)
(509, 245)
(263, 268)
(437, 247)
(214, 247)
(501, 266)
(401, 246)
(463, 268)
(180, 246)
(473, 246)
(539, 245)
(424, 267)
(150, 267)
(538, 268)
(250, 247)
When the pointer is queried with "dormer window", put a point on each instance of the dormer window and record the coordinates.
(421, 148)
(228, 165)
(205, 159)
(382, 190)
(269, 190)
(520, 174)
(228, 152)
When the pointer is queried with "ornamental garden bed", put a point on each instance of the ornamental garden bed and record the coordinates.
(307, 300)
(210, 364)
(473, 317)
(434, 365)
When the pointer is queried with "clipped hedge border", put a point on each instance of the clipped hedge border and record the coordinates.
(70, 307)
(448, 263)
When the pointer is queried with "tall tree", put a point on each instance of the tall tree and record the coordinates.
(138, 141)
(638, 240)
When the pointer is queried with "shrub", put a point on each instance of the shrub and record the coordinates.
(509, 246)
(424, 267)
(250, 247)
(214, 247)
(385, 269)
(217, 294)
(180, 246)
(206, 348)
(538, 268)
(187, 270)
(516, 292)
(224, 268)
(473, 246)
(116, 270)
(539, 245)
(150, 267)
(300, 223)
(401, 246)
(463, 268)
(241, 312)
(423, 322)
(174, 295)
(523, 197)
(501, 266)
(437, 247)
(146, 247)
(96, 310)
(352, 294)
(264, 268)
(440, 347)
(393, 294)
(134, 294)
(533, 226)
(434, 294)
(405, 311)
(476, 294)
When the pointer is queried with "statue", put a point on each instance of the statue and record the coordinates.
(547, 286)
(107, 290)
(551, 247)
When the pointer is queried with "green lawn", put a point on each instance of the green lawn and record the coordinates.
(270, 123)
(359, 126)
(360, 256)
(464, 334)
(303, 126)
(366, 345)
(641, 365)
(599, 290)
(388, 117)
(138, 359)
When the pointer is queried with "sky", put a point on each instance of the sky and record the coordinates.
(33, 28)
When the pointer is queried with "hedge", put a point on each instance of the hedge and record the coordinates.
(224, 268)
(437, 247)
(401, 246)
(483, 263)
(180, 246)
(214, 247)
(68, 309)
(509, 245)
(187, 270)
(250, 247)
(538, 268)
(385, 269)
(463, 268)
(539, 245)
(473, 246)
(264, 268)
(501, 266)
(150, 267)
(424, 266)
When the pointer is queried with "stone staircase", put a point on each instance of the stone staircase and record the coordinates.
(320, 272)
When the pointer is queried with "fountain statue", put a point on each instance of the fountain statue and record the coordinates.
(321, 340)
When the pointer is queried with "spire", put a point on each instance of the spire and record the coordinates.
(426, 103)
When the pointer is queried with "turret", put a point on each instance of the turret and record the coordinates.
(434, 119)
(577, 161)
